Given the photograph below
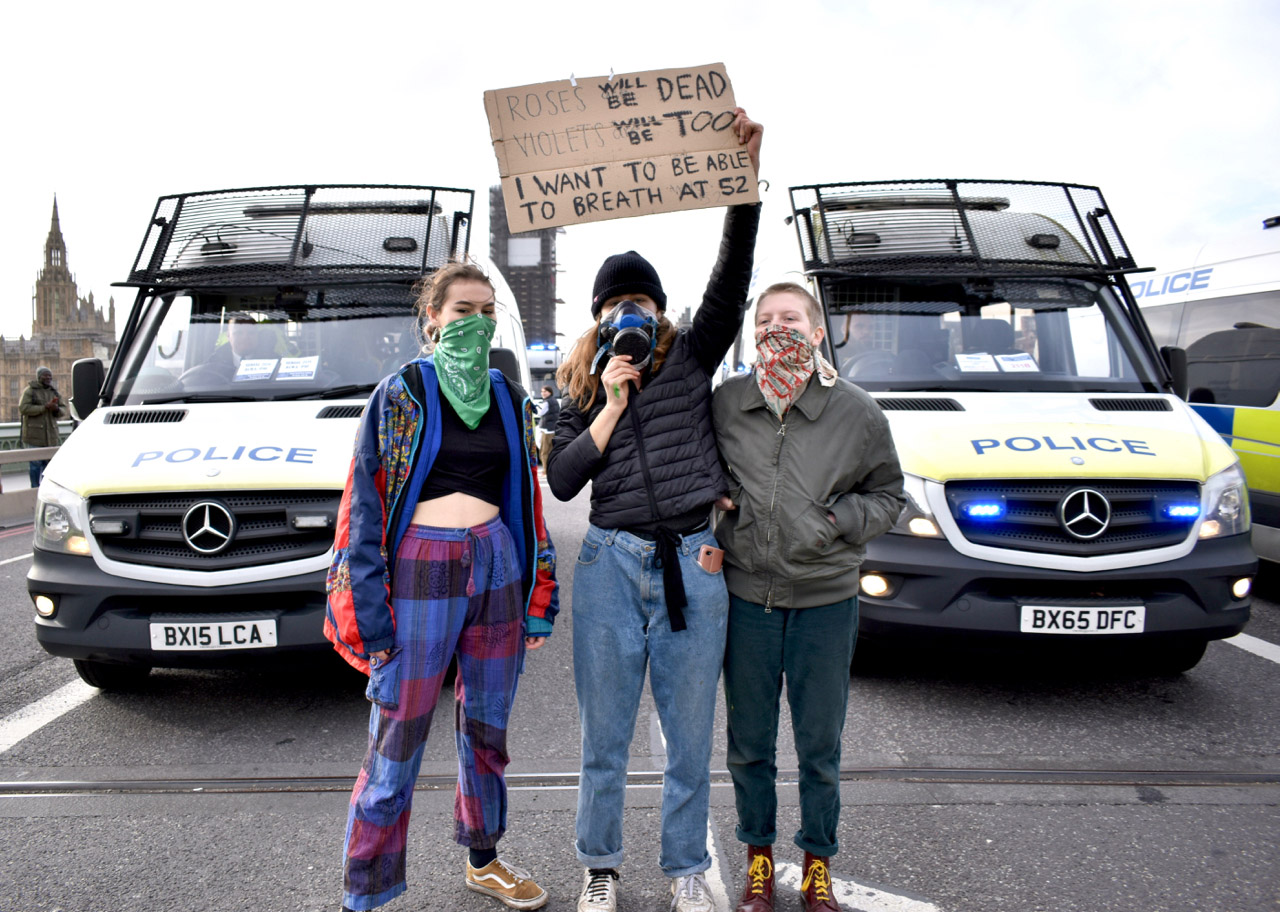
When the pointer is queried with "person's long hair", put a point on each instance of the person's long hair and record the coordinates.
(574, 376)
(430, 292)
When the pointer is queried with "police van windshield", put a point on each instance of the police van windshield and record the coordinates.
(243, 345)
(1033, 335)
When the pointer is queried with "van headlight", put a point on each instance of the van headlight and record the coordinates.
(1227, 504)
(916, 518)
(59, 520)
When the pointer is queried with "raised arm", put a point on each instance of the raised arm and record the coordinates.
(719, 318)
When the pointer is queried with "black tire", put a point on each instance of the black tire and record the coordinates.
(869, 658)
(1175, 658)
(107, 676)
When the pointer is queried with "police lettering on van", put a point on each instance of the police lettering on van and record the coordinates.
(1172, 284)
(258, 453)
(1031, 444)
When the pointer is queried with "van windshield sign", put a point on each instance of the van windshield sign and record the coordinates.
(224, 454)
(1031, 444)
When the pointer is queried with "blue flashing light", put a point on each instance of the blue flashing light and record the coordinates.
(983, 510)
(1182, 511)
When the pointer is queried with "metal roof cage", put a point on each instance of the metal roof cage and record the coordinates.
(311, 234)
(957, 228)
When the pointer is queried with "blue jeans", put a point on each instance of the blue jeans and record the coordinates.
(35, 470)
(811, 648)
(620, 624)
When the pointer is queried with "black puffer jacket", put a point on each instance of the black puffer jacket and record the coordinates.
(674, 408)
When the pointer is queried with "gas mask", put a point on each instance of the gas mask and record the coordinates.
(629, 329)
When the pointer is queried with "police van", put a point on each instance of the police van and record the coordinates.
(1224, 309)
(189, 521)
(1060, 490)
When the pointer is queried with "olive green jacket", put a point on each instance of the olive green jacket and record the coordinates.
(40, 424)
(833, 454)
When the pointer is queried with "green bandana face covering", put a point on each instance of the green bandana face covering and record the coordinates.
(462, 363)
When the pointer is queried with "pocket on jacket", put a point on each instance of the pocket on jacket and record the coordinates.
(811, 535)
(735, 530)
(384, 681)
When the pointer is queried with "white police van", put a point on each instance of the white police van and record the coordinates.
(1060, 490)
(1224, 309)
(189, 521)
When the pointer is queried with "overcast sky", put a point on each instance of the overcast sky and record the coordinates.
(1171, 107)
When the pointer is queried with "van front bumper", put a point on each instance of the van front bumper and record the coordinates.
(105, 618)
(939, 593)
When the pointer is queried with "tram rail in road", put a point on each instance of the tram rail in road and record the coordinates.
(560, 781)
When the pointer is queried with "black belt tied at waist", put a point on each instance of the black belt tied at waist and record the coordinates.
(667, 559)
(667, 556)
(652, 534)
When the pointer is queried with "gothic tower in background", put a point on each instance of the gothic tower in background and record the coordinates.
(64, 328)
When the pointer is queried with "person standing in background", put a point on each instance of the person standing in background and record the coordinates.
(41, 407)
(547, 423)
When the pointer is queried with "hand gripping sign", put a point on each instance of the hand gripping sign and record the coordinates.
(586, 150)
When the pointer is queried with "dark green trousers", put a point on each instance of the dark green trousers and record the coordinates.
(811, 648)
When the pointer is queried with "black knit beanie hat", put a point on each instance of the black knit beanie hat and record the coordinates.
(626, 273)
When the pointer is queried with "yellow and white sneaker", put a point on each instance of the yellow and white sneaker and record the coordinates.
(510, 886)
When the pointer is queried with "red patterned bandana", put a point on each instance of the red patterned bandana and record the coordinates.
(784, 363)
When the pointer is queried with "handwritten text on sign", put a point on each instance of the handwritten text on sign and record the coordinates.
(658, 141)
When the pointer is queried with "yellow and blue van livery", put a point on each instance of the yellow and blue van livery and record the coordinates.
(1228, 322)
(189, 520)
(1060, 491)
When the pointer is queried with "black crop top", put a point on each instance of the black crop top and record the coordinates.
(469, 462)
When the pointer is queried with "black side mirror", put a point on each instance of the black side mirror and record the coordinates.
(87, 377)
(1176, 360)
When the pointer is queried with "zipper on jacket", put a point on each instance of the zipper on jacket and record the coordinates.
(393, 516)
(773, 500)
(531, 525)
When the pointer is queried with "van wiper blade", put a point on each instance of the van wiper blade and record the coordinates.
(338, 392)
(911, 388)
(200, 397)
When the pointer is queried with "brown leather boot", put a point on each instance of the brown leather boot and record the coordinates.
(757, 896)
(816, 886)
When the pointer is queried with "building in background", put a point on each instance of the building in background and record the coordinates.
(528, 263)
(64, 328)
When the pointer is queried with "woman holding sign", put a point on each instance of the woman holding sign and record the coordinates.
(440, 551)
(648, 588)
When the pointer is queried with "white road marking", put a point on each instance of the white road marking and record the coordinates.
(1256, 646)
(14, 560)
(853, 895)
(719, 892)
(34, 716)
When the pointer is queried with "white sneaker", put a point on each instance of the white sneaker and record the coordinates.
(691, 894)
(599, 891)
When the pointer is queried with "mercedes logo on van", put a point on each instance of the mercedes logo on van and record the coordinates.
(1084, 513)
(208, 527)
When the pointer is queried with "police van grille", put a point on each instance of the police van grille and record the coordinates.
(1031, 522)
(264, 529)
(341, 411)
(920, 404)
(149, 416)
(1131, 405)
(959, 228)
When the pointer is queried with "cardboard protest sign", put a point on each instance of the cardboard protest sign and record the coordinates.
(612, 147)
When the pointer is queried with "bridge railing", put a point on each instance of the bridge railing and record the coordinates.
(17, 499)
